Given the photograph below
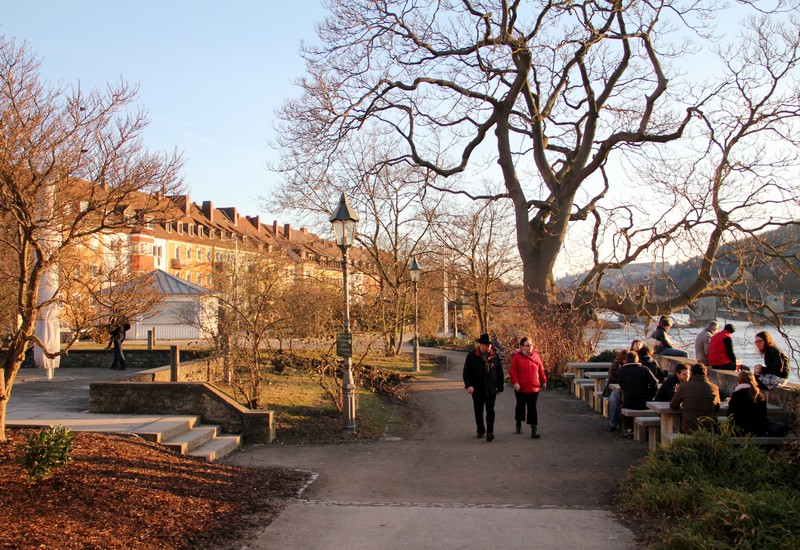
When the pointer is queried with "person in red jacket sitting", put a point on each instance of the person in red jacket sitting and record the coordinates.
(528, 377)
(720, 350)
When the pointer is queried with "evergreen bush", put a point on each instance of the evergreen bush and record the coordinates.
(45, 451)
(705, 491)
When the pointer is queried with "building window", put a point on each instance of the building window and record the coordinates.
(188, 252)
(177, 252)
(199, 256)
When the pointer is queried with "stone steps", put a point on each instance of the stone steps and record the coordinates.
(184, 435)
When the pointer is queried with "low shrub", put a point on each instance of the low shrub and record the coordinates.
(45, 451)
(706, 492)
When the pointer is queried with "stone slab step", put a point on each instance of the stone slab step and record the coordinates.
(217, 448)
(187, 441)
(167, 428)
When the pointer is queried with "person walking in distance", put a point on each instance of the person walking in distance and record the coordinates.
(528, 377)
(117, 337)
(483, 380)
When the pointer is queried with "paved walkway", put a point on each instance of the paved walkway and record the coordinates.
(440, 488)
(444, 488)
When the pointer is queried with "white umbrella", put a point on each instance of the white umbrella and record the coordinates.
(48, 325)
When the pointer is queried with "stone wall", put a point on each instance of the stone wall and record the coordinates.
(182, 398)
(150, 391)
(135, 358)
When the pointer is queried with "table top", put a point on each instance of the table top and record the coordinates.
(601, 374)
(662, 407)
(596, 366)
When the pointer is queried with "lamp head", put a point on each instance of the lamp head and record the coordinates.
(344, 221)
(415, 270)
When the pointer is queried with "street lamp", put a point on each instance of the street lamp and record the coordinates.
(344, 228)
(415, 271)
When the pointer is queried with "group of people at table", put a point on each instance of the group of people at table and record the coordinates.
(634, 378)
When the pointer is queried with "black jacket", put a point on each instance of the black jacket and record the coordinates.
(775, 362)
(486, 377)
(749, 417)
(667, 389)
(638, 385)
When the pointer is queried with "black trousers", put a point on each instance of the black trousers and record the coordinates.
(726, 366)
(479, 402)
(526, 401)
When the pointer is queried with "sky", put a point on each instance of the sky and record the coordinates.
(210, 75)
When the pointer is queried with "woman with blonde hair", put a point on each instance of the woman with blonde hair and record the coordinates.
(747, 410)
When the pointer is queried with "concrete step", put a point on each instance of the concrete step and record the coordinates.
(167, 428)
(191, 439)
(217, 448)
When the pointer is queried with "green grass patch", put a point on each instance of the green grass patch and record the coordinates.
(306, 415)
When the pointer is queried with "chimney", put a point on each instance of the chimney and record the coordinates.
(287, 230)
(275, 227)
(181, 201)
(232, 215)
(255, 220)
(208, 210)
(304, 230)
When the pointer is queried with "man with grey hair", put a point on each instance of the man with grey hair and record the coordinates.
(702, 341)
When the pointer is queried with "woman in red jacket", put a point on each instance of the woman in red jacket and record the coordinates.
(528, 377)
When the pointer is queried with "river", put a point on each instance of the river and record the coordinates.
(684, 335)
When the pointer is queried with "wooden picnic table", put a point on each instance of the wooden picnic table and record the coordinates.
(600, 378)
(582, 368)
(671, 418)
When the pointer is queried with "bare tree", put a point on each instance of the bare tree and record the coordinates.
(72, 166)
(394, 222)
(574, 102)
(479, 244)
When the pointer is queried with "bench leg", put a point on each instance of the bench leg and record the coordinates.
(653, 435)
(639, 433)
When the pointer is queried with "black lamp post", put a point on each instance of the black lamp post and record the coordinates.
(415, 271)
(344, 228)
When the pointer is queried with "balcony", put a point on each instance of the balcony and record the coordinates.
(177, 263)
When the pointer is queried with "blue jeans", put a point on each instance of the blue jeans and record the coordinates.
(673, 352)
(614, 405)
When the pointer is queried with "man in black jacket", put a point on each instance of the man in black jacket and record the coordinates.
(667, 390)
(483, 380)
(638, 387)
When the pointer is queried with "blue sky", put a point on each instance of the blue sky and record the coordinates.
(211, 75)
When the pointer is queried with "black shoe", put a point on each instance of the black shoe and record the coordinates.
(611, 430)
(113, 368)
(480, 435)
(519, 427)
(489, 436)
(534, 433)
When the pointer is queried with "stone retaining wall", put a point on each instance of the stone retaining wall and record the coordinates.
(151, 392)
(135, 358)
(182, 398)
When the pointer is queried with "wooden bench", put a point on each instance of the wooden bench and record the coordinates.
(647, 428)
(600, 379)
(578, 384)
(767, 441)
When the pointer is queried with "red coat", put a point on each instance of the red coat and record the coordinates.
(528, 372)
(717, 352)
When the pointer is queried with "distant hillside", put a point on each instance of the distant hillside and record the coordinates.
(767, 271)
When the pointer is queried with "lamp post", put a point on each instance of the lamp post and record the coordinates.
(415, 271)
(344, 228)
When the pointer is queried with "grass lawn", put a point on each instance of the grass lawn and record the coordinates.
(305, 414)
